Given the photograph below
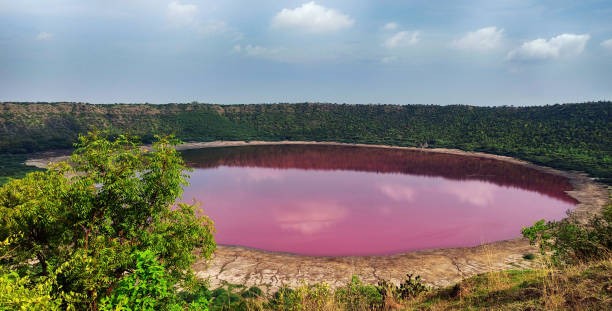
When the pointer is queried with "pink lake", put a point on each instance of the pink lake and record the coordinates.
(342, 200)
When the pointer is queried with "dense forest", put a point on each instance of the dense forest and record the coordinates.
(564, 136)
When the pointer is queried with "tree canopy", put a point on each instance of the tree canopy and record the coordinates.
(77, 232)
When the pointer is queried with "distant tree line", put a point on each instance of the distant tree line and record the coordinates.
(565, 136)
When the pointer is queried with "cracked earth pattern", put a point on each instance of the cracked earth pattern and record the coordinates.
(269, 271)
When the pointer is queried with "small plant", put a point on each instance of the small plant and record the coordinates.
(529, 256)
(252, 292)
(358, 296)
(412, 287)
(285, 299)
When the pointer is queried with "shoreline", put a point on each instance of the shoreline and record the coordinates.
(437, 267)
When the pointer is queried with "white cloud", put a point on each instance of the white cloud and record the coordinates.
(44, 36)
(607, 44)
(187, 15)
(182, 14)
(214, 27)
(561, 46)
(402, 38)
(259, 51)
(391, 26)
(482, 40)
(311, 17)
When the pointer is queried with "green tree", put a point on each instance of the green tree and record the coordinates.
(79, 224)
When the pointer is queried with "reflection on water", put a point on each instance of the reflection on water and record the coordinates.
(343, 200)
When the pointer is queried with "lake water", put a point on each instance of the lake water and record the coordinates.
(343, 200)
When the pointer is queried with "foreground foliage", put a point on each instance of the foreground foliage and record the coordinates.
(585, 286)
(80, 233)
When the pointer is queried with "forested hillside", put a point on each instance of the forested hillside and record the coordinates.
(568, 136)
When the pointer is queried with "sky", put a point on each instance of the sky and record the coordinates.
(484, 53)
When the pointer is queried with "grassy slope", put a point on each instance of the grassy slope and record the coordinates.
(576, 287)
(579, 287)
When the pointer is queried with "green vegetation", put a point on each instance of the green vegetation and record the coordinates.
(102, 233)
(12, 166)
(585, 286)
(570, 242)
(568, 136)
(579, 287)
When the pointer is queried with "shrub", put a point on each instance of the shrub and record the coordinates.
(18, 293)
(410, 288)
(570, 241)
(358, 296)
(145, 288)
(286, 299)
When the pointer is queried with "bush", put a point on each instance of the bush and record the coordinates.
(358, 296)
(17, 292)
(570, 241)
(146, 288)
(410, 288)
(286, 299)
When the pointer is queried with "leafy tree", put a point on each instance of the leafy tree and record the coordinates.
(80, 224)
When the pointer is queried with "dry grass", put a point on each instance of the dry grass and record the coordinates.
(585, 286)
(578, 287)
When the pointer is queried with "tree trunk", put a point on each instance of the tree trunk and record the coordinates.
(43, 263)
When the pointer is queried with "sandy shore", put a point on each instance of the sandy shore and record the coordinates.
(440, 267)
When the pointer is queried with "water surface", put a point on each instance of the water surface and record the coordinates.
(344, 200)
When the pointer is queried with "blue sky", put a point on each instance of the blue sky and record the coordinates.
(504, 52)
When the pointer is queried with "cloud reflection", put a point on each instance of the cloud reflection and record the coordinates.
(309, 217)
(476, 193)
(398, 192)
(264, 174)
